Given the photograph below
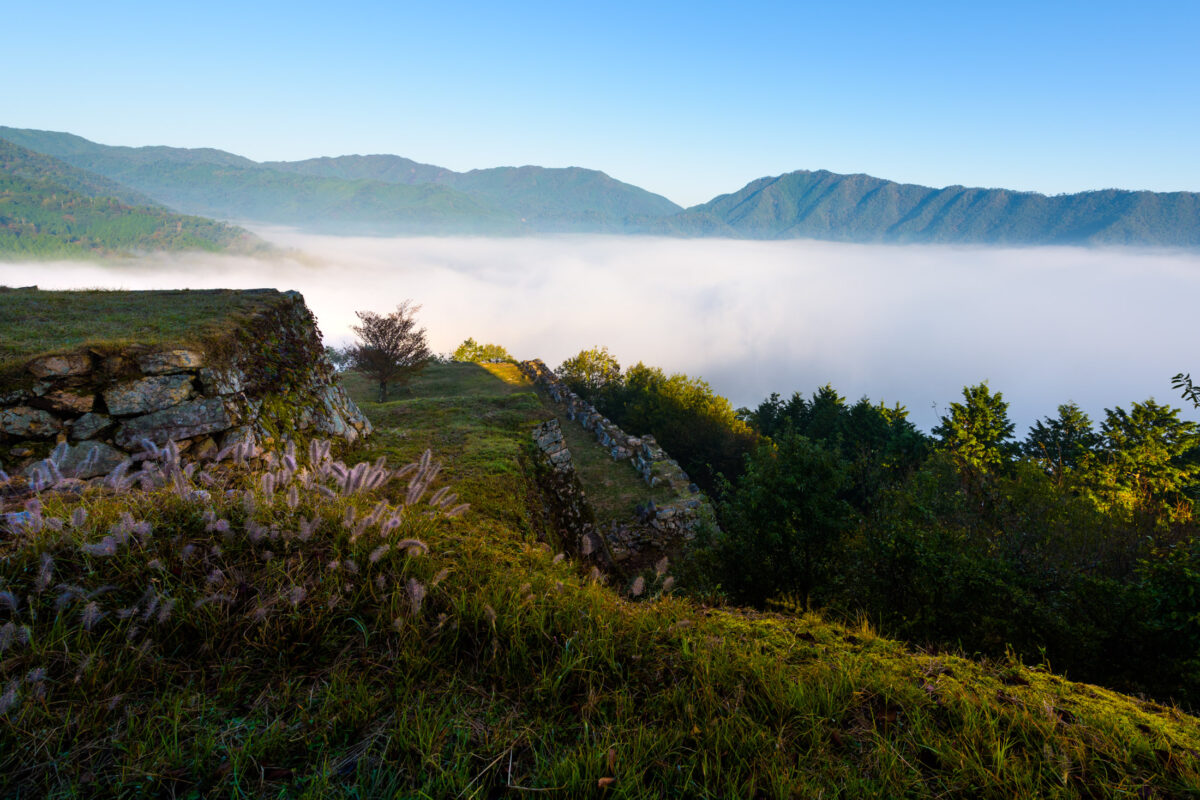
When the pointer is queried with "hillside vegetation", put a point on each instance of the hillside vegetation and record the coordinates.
(51, 209)
(360, 194)
(390, 194)
(284, 630)
(860, 208)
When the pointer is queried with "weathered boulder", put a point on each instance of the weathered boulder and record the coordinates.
(89, 459)
(29, 423)
(168, 361)
(90, 425)
(194, 418)
(61, 366)
(14, 397)
(243, 434)
(148, 394)
(338, 416)
(221, 381)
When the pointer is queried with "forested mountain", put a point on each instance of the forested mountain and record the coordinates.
(546, 194)
(361, 194)
(49, 208)
(390, 194)
(860, 208)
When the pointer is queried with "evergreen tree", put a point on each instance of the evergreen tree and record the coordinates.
(1149, 460)
(1061, 444)
(978, 432)
(782, 526)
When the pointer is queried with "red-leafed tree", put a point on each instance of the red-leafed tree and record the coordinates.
(391, 348)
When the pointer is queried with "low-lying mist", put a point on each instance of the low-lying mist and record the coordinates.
(913, 324)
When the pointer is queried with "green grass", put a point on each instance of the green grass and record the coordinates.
(613, 488)
(34, 322)
(451, 401)
(518, 675)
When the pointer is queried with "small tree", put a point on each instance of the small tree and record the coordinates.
(591, 372)
(391, 349)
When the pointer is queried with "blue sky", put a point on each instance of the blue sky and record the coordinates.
(686, 99)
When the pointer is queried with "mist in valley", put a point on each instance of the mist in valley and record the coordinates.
(909, 324)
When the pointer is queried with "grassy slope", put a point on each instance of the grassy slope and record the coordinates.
(34, 323)
(516, 673)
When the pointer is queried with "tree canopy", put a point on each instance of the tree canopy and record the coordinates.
(391, 348)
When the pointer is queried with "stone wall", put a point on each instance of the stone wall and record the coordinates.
(657, 528)
(267, 380)
(568, 511)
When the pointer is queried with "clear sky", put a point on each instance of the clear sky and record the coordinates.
(687, 99)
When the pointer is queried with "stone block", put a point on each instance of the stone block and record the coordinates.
(148, 394)
(169, 361)
(61, 366)
(29, 423)
(79, 461)
(90, 425)
(243, 434)
(14, 397)
(183, 421)
(221, 381)
(66, 400)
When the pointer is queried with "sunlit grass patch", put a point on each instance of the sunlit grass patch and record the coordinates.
(34, 322)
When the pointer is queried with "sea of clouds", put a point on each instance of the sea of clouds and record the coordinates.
(912, 324)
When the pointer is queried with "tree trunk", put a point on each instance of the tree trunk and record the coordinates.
(383, 391)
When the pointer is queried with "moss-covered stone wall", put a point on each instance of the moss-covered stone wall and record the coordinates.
(265, 379)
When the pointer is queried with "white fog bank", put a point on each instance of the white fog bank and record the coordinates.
(912, 324)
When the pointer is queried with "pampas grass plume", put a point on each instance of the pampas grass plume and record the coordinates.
(416, 594)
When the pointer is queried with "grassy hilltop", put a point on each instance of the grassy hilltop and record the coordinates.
(35, 323)
(284, 630)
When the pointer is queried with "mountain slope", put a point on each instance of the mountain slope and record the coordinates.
(48, 208)
(546, 198)
(860, 208)
(20, 162)
(361, 194)
(388, 194)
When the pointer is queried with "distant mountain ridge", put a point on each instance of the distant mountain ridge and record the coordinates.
(49, 209)
(861, 208)
(361, 194)
(388, 194)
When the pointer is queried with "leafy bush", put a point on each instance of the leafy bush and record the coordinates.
(473, 352)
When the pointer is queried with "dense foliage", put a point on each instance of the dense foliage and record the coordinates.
(474, 352)
(695, 425)
(1077, 545)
